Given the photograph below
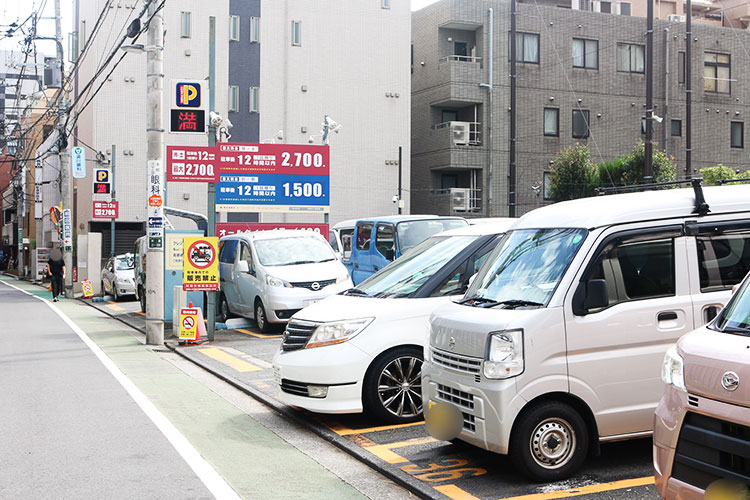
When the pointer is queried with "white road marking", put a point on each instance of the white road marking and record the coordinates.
(207, 474)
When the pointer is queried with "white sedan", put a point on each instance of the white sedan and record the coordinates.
(118, 276)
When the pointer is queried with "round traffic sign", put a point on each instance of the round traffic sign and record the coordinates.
(201, 254)
(188, 322)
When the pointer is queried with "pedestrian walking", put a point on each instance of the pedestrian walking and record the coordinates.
(56, 271)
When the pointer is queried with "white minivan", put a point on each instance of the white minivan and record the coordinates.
(558, 343)
(270, 275)
(362, 350)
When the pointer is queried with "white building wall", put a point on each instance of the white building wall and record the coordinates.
(352, 54)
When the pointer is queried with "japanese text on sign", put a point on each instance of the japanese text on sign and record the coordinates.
(287, 159)
(200, 261)
(192, 164)
(290, 193)
(105, 210)
(229, 228)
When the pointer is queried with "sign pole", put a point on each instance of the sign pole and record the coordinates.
(211, 296)
(112, 224)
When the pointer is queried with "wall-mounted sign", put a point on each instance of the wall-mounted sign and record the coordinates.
(187, 112)
(105, 209)
(79, 162)
(192, 164)
(156, 204)
(228, 228)
(200, 261)
(273, 193)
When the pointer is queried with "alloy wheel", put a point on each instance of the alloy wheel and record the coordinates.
(400, 387)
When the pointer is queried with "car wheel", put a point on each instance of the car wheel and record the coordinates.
(142, 299)
(114, 292)
(392, 389)
(104, 290)
(223, 310)
(550, 442)
(260, 317)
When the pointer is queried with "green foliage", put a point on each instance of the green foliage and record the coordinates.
(712, 175)
(573, 174)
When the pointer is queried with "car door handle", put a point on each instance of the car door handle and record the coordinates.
(666, 316)
(356, 266)
(375, 267)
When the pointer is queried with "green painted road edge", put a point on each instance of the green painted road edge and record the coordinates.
(419, 488)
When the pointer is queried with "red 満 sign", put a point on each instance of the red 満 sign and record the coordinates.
(228, 228)
(105, 209)
(192, 164)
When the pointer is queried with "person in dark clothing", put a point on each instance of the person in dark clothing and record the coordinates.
(56, 270)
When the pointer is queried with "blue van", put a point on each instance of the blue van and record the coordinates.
(380, 240)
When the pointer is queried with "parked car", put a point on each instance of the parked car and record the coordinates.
(340, 237)
(702, 424)
(362, 349)
(380, 240)
(270, 275)
(118, 277)
(559, 341)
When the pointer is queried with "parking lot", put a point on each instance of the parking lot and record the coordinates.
(406, 453)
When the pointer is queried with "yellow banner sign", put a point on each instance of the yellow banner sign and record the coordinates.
(200, 263)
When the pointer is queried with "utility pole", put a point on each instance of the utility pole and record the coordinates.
(649, 146)
(64, 159)
(155, 146)
(20, 185)
(113, 198)
(512, 165)
(688, 90)
(399, 180)
(211, 295)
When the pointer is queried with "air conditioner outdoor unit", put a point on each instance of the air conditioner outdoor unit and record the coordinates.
(460, 199)
(460, 132)
(676, 18)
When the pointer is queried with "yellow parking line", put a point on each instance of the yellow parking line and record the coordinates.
(115, 308)
(260, 336)
(139, 312)
(586, 490)
(228, 359)
(384, 452)
(454, 492)
(345, 431)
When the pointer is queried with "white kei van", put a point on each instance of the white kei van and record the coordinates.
(558, 343)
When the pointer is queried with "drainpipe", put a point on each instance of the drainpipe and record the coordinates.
(667, 127)
(488, 86)
(688, 91)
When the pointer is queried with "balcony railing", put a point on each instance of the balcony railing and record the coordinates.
(458, 58)
(462, 133)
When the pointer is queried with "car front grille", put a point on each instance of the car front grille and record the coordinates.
(469, 422)
(455, 396)
(297, 334)
(310, 285)
(709, 449)
(458, 362)
(292, 387)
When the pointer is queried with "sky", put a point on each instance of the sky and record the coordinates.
(12, 10)
(415, 4)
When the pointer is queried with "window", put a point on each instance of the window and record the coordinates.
(449, 116)
(636, 268)
(643, 125)
(737, 132)
(680, 67)
(333, 241)
(676, 128)
(385, 4)
(254, 99)
(448, 181)
(73, 46)
(624, 8)
(716, 72)
(255, 30)
(363, 236)
(346, 236)
(82, 36)
(546, 184)
(296, 33)
(459, 281)
(385, 242)
(580, 123)
(227, 251)
(723, 260)
(552, 122)
(234, 92)
(185, 25)
(630, 58)
(527, 48)
(234, 28)
(247, 256)
(585, 53)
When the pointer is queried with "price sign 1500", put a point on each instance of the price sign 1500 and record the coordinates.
(302, 189)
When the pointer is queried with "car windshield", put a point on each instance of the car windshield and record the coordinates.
(525, 267)
(125, 263)
(294, 250)
(735, 318)
(412, 233)
(409, 272)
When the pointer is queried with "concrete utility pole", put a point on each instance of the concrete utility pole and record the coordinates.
(155, 143)
(113, 198)
(512, 166)
(211, 295)
(688, 90)
(62, 146)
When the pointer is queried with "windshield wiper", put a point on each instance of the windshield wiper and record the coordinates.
(355, 291)
(299, 262)
(478, 300)
(735, 329)
(513, 303)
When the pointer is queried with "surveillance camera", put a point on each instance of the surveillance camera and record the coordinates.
(228, 124)
(215, 118)
(395, 199)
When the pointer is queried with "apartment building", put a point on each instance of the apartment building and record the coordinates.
(580, 79)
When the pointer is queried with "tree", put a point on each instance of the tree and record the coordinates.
(572, 174)
(712, 175)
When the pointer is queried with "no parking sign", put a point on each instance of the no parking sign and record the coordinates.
(188, 323)
(200, 263)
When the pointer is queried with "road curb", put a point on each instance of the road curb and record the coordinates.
(111, 315)
(419, 488)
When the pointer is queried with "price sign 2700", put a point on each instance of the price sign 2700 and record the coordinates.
(303, 189)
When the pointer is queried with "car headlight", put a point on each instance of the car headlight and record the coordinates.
(342, 278)
(504, 355)
(337, 332)
(124, 281)
(673, 369)
(270, 280)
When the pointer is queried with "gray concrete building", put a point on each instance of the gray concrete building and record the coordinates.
(580, 79)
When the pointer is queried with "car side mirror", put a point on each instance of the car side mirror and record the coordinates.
(243, 267)
(596, 294)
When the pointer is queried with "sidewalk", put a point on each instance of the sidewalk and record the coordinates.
(255, 462)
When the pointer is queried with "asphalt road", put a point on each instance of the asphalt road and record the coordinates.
(69, 428)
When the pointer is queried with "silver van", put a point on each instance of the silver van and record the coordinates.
(270, 275)
(558, 344)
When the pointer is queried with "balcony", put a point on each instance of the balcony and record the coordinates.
(454, 201)
(462, 133)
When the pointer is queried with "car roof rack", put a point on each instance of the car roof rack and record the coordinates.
(701, 207)
(721, 182)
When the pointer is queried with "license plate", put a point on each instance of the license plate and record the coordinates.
(277, 375)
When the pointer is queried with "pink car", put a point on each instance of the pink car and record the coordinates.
(702, 424)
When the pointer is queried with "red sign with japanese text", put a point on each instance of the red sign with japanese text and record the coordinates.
(285, 159)
(228, 228)
(192, 164)
(105, 210)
